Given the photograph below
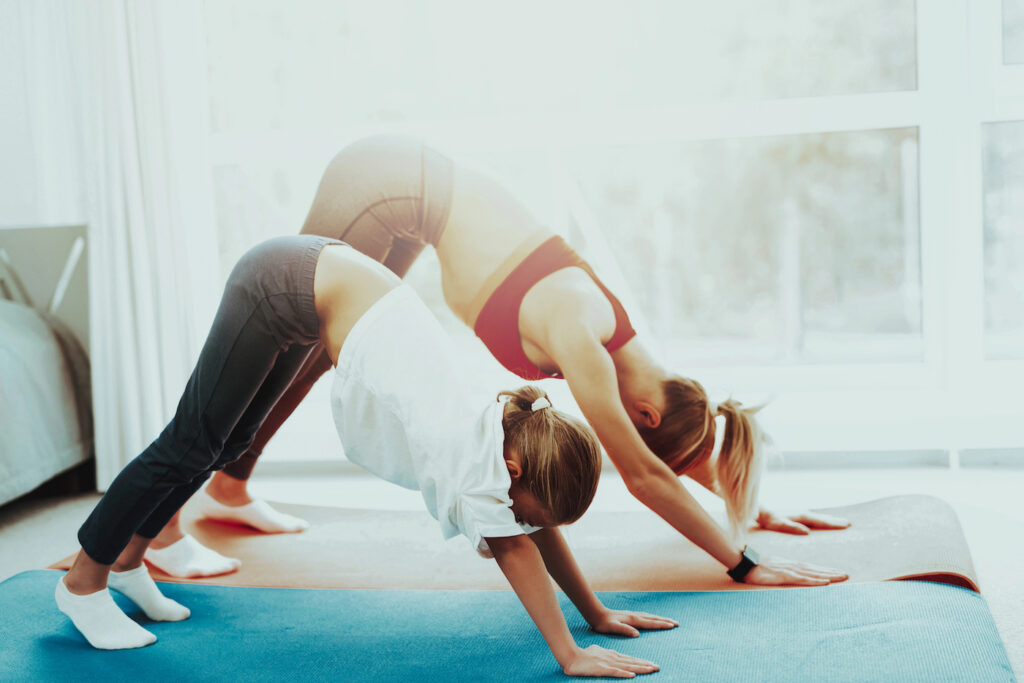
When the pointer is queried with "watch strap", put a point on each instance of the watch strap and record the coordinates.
(748, 561)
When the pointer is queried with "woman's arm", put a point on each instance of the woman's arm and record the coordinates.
(562, 567)
(522, 565)
(589, 370)
(590, 373)
(705, 476)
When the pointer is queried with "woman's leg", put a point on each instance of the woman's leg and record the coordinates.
(266, 309)
(403, 254)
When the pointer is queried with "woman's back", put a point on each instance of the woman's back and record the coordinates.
(486, 225)
(488, 235)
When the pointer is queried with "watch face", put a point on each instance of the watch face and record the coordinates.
(751, 555)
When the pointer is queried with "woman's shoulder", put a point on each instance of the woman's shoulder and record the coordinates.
(567, 303)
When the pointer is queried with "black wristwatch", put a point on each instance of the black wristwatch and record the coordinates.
(749, 561)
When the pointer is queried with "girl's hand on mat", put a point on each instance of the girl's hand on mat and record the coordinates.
(799, 523)
(622, 623)
(780, 572)
(597, 661)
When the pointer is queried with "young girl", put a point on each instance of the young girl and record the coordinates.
(492, 471)
(543, 312)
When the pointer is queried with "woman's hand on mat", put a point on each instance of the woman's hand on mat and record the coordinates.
(799, 523)
(773, 571)
(598, 661)
(622, 623)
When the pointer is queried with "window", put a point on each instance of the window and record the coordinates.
(1013, 32)
(815, 200)
(1004, 239)
(773, 250)
(336, 63)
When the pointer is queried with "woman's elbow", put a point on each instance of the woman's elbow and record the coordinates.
(646, 484)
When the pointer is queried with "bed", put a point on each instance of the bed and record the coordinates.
(45, 392)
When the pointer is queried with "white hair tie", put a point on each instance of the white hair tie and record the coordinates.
(540, 404)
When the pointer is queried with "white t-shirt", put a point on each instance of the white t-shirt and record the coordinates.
(405, 412)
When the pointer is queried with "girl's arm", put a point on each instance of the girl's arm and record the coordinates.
(589, 370)
(562, 567)
(521, 563)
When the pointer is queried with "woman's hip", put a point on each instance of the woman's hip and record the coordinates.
(382, 189)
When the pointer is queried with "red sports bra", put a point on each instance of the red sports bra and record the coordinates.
(497, 325)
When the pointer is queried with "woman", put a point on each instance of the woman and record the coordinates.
(542, 312)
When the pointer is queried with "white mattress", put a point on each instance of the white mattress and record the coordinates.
(40, 433)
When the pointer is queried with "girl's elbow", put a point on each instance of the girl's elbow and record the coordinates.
(503, 546)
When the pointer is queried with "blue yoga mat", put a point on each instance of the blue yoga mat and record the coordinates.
(894, 631)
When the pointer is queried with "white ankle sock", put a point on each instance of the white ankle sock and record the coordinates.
(100, 620)
(188, 558)
(138, 586)
(257, 514)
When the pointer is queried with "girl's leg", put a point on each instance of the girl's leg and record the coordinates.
(179, 554)
(387, 197)
(317, 363)
(226, 498)
(267, 307)
(229, 487)
(183, 556)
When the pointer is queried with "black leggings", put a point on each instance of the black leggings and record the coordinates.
(263, 333)
(387, 197)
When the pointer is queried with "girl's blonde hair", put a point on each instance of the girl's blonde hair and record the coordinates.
(560, 455)
(686, 438)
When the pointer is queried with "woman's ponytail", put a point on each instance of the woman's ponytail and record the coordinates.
(740, 463)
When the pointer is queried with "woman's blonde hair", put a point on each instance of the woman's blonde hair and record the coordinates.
(685, 439)
(560, 455)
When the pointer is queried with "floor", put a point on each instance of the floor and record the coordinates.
(35, 532)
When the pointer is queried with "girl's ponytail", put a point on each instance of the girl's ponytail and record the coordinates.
(559, 455)
(523, 400)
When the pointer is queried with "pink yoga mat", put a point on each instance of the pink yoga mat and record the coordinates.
(902, 537)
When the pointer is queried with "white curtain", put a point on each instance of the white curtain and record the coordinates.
(113, 93)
